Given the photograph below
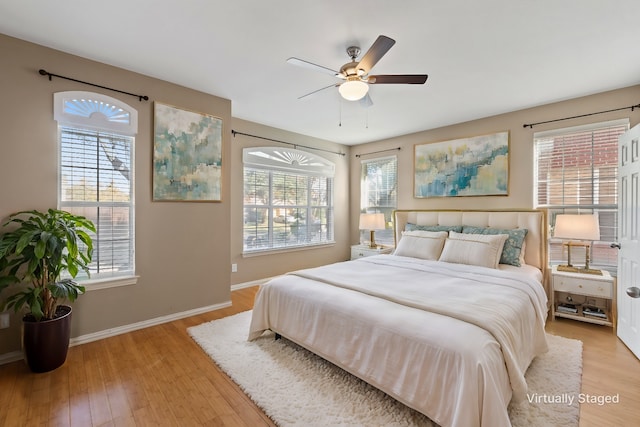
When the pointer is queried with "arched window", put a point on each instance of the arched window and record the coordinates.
(96, 143)
(288, 199)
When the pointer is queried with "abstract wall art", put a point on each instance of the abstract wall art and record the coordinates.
(187, 155)
(475, 166)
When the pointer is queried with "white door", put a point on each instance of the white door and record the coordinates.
(628, 236)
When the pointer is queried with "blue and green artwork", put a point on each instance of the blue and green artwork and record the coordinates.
(187, 155)
(476, 166)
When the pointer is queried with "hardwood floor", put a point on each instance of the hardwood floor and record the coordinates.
(608, 369)
(169, 381)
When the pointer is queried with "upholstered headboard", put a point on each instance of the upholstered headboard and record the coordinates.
(535, 221)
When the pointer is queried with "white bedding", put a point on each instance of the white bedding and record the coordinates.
(388, 320)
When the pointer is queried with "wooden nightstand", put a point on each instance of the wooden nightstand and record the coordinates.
(359, 251)
(582, 291)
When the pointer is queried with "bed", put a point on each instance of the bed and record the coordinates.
(438, 329)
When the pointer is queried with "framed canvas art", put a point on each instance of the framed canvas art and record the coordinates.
(187, 155)
(476, 166)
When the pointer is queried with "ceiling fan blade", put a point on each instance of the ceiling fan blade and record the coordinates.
(412, 79)
(318, 90)
(366, 101)
(377, 50)
(312, 66)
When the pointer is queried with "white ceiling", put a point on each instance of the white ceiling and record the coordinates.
(482, 57)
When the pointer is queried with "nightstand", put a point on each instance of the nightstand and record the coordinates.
(581, 292)
(359, 251)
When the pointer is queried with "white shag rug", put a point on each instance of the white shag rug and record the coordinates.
(294, 387)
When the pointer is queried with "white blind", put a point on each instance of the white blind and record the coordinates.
(96, 182)
(286, 209)
(576, 171)
(379, 192)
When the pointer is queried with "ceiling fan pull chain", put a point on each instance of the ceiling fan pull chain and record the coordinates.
(340, 109)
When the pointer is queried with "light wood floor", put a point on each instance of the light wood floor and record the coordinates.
(169, 381)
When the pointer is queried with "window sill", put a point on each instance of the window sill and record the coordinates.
(111, 282)
(284, 250)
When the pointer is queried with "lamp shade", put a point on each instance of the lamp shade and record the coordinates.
(579, 227)
(372, 221)
(353, 90)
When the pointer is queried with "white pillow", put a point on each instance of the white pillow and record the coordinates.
(421, 244)
(427, 233)
(474, 249)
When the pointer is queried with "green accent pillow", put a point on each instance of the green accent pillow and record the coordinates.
(513, 245)
(413, 227)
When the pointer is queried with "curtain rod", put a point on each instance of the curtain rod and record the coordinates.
(381, 151)
(46, 73)
(632, 107)
(234, 133)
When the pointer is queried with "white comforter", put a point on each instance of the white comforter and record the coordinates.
(449, 340)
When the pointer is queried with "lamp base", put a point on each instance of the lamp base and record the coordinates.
(572, 269)
(372, 240)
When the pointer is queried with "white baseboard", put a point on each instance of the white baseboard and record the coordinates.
(83, 339)
(13, 356)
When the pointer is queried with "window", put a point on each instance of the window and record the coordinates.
(378, 193)
(288, 199)
(576, 171)
(96, 175)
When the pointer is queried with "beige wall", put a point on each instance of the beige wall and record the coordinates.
(183, 254)
(521, 150)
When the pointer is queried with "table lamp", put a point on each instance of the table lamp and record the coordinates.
(577, 227)
(372, 222)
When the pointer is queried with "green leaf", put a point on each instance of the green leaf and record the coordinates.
(72, 267)
(41, 246)
(25, 239)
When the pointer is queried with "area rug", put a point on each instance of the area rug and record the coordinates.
(294, 387)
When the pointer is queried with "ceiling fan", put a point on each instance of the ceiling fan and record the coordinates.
(356, 74)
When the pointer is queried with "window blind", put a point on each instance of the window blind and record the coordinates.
(96, 182)
(379, 190)
(576, 171)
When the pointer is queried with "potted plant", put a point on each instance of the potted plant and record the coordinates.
(40, 255)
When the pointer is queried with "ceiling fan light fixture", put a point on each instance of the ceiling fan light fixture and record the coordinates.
(353, 90)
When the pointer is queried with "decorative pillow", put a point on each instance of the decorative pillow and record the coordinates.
(421, 244)
(513, 251)
(473, 249)
(411, 227)
(522, 252)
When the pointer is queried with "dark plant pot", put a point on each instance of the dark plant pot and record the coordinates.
(45, 343)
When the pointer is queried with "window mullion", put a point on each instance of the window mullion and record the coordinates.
(271, 218)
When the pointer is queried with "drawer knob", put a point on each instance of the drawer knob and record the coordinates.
(580, 286)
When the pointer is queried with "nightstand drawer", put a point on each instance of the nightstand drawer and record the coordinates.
(359, 251)
(583, 286)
